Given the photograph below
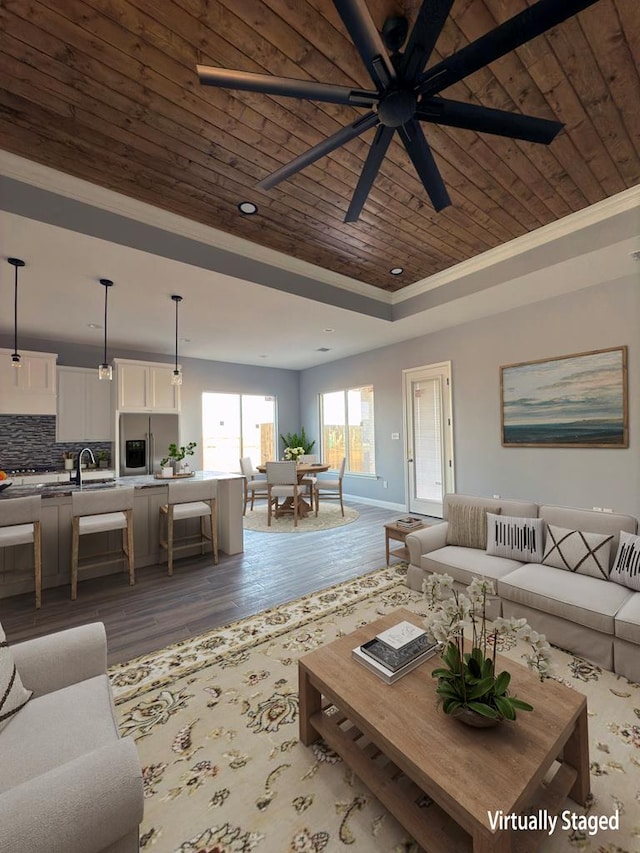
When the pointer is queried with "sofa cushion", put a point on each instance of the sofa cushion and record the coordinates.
(468, 525)
(627, 621)
(56, 728)
(626, 567)
(515, 538)
(578, 551)
(577, 598)
(13, 695)
(465, 564)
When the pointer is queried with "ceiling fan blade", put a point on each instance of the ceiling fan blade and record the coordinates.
(523, 27)
(359, 23)
(320, 150)
(422, 158)
(370, 169)
(485, 120)
(288, 87)
(424, 35)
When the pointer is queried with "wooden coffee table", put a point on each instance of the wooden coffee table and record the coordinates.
(402, 746)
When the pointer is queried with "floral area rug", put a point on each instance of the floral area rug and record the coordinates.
(215, 723)
(329, 515)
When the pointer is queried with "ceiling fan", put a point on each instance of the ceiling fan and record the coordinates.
(405, 95)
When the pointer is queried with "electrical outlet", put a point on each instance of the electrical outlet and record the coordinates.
(395, 436)
(385, 485)
(496, 497)
(606, 509)
(598, 508)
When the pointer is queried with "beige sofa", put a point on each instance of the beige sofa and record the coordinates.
(594, 618)
(68, 783)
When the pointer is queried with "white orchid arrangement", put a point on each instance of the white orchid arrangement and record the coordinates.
(468, 679)
(293, 452)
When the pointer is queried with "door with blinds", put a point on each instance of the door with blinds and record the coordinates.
(428, 437)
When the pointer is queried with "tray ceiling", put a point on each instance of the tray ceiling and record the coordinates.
(107, 91)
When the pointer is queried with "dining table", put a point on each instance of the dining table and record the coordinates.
(303, 469)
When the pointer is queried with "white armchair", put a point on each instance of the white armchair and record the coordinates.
(68, 782)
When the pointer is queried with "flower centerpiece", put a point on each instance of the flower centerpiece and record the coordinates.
(468, 685)
(296, 445)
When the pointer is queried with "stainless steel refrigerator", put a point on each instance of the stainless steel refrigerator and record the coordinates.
(144, 441)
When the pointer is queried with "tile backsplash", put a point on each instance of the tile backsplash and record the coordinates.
(29, 441)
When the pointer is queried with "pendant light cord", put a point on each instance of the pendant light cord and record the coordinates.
(15, 312)
(106, 294)
(176, 335)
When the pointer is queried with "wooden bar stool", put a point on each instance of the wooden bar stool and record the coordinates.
(190, 500)
(97, 512)
(20, 525)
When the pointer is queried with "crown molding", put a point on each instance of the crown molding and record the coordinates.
(51, 180)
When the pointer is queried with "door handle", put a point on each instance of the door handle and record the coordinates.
(410, 459)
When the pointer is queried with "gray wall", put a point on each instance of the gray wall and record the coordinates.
(198, 376)
(595, 318)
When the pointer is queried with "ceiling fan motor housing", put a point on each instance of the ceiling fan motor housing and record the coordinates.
(397, 107)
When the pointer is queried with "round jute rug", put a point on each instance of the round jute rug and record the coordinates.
(329, 516)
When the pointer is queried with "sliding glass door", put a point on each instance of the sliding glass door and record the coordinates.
(236, 425)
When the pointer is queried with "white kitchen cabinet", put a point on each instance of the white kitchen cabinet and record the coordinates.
(31, 388)
(85, 411)
(144, 386)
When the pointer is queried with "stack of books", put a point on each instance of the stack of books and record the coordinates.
(396, 651)
(409, 522)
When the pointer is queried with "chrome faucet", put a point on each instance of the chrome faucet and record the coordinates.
(79, 471)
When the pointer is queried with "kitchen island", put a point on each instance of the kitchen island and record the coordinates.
(16, 564)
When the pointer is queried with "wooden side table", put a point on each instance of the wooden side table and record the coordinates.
(393, 531)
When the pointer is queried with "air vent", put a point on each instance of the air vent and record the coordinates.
(323, 349)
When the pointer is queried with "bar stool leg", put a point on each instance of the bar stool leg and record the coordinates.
(129, 551)
(75, 544)
(170, 540)
(213, 519)
(37, 560)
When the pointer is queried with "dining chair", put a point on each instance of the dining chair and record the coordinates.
(327, 489)
(190, 500)
(282, 482)
(100, 512)
(20, 525)
(255, 484)
(309, 480)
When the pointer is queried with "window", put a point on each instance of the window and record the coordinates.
(236, 425)
(347, 429)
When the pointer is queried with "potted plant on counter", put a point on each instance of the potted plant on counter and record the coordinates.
(103, 459)
(176, 456)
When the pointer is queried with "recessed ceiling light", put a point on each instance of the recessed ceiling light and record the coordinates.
(328, 330)
(94, 325)
(396, 270)
(248, 208)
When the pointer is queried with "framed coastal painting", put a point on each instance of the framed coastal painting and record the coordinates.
(575, 400)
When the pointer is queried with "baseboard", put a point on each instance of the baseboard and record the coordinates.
(373, 502)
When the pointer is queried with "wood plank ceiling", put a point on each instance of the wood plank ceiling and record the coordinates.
(106, 90)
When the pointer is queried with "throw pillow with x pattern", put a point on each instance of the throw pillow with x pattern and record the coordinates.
(578, 551)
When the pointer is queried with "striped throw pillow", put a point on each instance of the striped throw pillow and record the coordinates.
(468, 525)
(626, 568)
(515, 538)
(13, 695)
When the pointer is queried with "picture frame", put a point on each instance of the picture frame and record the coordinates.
(577, 400)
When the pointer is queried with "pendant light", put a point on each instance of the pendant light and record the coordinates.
(105, 371)
(15, 357)
(176, 378)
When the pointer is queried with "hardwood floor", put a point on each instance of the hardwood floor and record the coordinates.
(160, 610)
